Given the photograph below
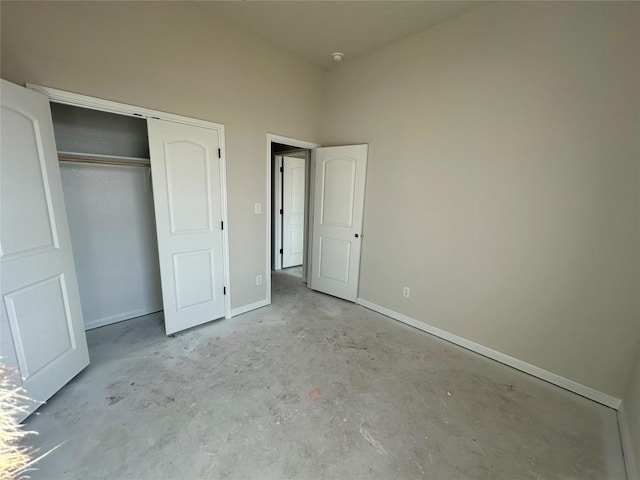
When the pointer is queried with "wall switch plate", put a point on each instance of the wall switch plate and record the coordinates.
(257, 208)
(258, 279)
(406, 292)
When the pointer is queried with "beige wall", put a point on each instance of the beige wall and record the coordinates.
(172, 57)
(503, 181)
(632, 410)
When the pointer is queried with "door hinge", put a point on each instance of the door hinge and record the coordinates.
(221, 225)
(281, 251)
(281, 169)
(219, 153)
(281, 212)
(224, 290)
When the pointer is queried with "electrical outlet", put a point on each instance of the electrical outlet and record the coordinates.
(406, 292)
(257, 208)
(258, 279)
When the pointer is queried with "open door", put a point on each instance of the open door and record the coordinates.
(293, 205)
(186, 173)
(42, 337)
(340, 174)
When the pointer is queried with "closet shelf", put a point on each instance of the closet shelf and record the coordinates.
(103, 159)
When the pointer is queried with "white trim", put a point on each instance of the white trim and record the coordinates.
(78, 100)
(311, 190)
(294, 142)
(249, 307)
(538, 372)
(276, 223)
(101, 322)
(286, 141)
(225, 219)
(93, 103)
(627, 446)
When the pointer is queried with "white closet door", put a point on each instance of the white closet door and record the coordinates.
(340, 174)
(185, 167)
(293, 193)
(41, 330)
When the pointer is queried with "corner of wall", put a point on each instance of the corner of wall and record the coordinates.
(629, 422)
(627, 444)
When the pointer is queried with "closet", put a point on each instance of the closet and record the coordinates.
(144, 194)
(117, 211)
(106, 180)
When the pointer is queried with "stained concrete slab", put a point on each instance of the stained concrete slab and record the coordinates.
(295, 271)
(312, 387)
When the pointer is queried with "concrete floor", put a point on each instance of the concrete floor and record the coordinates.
(313, 387)
(295, 271)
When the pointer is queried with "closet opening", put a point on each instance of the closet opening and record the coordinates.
(106, 181)
(89, 233)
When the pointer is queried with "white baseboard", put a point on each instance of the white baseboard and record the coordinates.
(627, 447)
(101, 322)
(249, 307)
(538, 372)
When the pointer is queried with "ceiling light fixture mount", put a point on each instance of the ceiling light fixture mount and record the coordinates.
(337, 57)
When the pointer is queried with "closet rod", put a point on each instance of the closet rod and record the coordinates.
(103, 162)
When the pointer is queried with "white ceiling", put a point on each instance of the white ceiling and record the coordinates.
(315, 29)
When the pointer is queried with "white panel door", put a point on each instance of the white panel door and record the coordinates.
(186, 173)
(340, 174)
(41, 330)
(293, 194)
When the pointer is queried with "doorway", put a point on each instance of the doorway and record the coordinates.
(333, 215)
(289, 193)
(289, 207)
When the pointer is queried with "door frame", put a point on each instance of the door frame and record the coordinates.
(294, 142)
(93, 103)
(276, 220)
